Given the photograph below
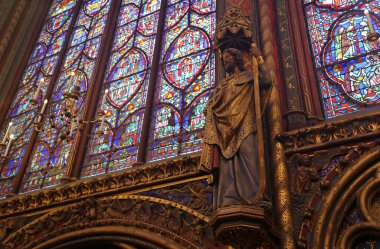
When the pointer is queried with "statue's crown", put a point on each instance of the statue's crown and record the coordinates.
(234, 30)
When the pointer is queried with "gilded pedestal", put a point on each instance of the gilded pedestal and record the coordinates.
(245, 227)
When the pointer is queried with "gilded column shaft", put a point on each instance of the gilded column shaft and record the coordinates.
(281, 191)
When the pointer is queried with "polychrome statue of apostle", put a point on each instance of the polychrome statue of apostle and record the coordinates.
(231, 133)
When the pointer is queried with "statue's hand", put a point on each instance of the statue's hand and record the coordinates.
(255, 51)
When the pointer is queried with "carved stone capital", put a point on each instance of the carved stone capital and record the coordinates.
(244, 226)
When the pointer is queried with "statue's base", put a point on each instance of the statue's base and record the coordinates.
(244, 227)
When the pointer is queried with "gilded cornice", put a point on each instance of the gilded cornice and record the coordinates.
(132, 180)
(323, 136)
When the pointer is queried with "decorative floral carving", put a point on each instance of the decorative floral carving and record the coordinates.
(10, 225)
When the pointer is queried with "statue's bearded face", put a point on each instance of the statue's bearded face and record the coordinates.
(229, 62)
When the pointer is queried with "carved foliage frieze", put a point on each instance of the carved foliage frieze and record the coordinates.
(109, 184)
(162, 218)
(10, 225)
(332, 134)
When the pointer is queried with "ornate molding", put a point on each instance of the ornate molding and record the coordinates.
(316, 167)
(129, 180)
(360, 226)
(369, 199)
(367, 233)
(315, 176)
(341, 180)
(162, 218)
(331, 134)
(13, 224)
(166, 202)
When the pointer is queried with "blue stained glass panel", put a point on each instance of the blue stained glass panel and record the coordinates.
(185, 79)
(127, 79)
(49, 163)
(42, 64)
(346, 59)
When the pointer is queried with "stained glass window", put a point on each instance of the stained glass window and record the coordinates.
(49, 160)
(127, 80)
(159, 72)
(42, 64)
(186, 75)
(345, 53)
(185, 78)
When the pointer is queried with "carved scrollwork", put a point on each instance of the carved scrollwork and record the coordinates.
(10, 225)
(359, 228)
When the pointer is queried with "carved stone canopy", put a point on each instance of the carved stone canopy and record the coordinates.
(234, 30)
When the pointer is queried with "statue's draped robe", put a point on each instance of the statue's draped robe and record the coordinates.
(230, 141)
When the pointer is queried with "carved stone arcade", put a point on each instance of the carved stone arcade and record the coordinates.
(335, 188)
